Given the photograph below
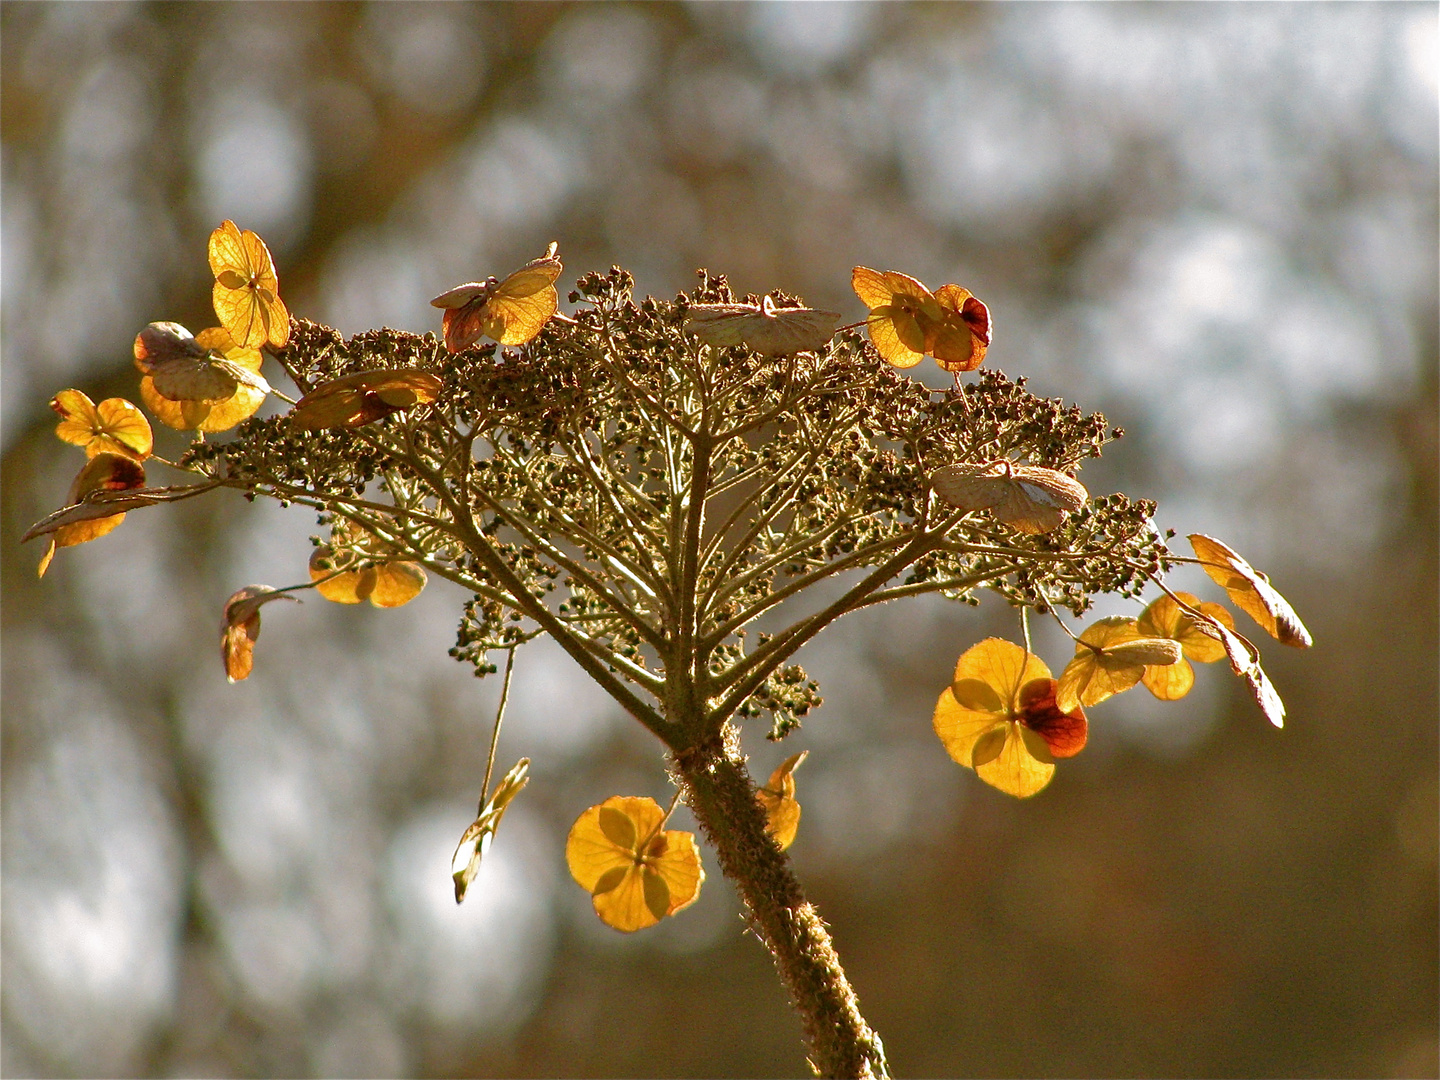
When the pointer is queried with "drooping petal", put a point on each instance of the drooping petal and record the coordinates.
(782, 811)
(479, 835)
(105, 472)
(1251, 591)
(1245, 662)
(240, 628)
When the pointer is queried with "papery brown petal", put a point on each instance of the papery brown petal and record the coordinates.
(970, 486)
(464, 326)
(1251, 591)
(102, 502)
(1245, 661)
(467, 294)
(977, 317)
(162, 341)
(358, 399)
(768, 330)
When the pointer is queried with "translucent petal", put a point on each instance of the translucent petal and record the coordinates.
(246, 292)
(396, 584)
(782, 812)
(1014, 770)
(1165, 618)
(631, 889)
(1173, 682)
(115, 425)
(202, 416)
(512, 312)
(983, 694)
(889, 343)
(1251, 591)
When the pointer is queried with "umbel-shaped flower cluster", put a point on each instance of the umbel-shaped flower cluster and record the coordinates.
(682, 493)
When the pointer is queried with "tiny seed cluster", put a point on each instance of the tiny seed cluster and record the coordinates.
(660, 497)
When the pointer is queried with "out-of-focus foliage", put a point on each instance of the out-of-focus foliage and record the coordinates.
(1217, 223)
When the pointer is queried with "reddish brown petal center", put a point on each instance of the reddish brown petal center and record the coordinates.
(977, 317)
(1065, 733)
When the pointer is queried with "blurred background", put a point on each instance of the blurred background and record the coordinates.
(1215, 223)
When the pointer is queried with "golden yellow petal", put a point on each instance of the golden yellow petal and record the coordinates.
(590, 853)
(1172, 682)
(1003, 665)
(960, 728)
(1090, 678)
(343, 588)
(907, 290)
(680, 868)
(514, 320)
(82, 532)
(1015, 771)
(887, 341)
(530, 280)
(181, 415)
(870, 286)
(622, 903)
(201, 415)
(217, 339)
(227, 251)
(396, 584)
(239, 311)
(782, 812)
(79, 419)
(1165, 618)
(123, 428)
(193, 380)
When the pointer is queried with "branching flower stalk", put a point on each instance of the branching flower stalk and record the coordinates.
(669, 510)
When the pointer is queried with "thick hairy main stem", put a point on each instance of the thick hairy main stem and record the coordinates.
(719, 791)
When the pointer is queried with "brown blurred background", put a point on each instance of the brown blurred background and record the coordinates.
(1215, 223)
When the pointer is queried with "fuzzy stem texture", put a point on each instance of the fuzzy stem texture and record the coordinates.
(720, 793)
